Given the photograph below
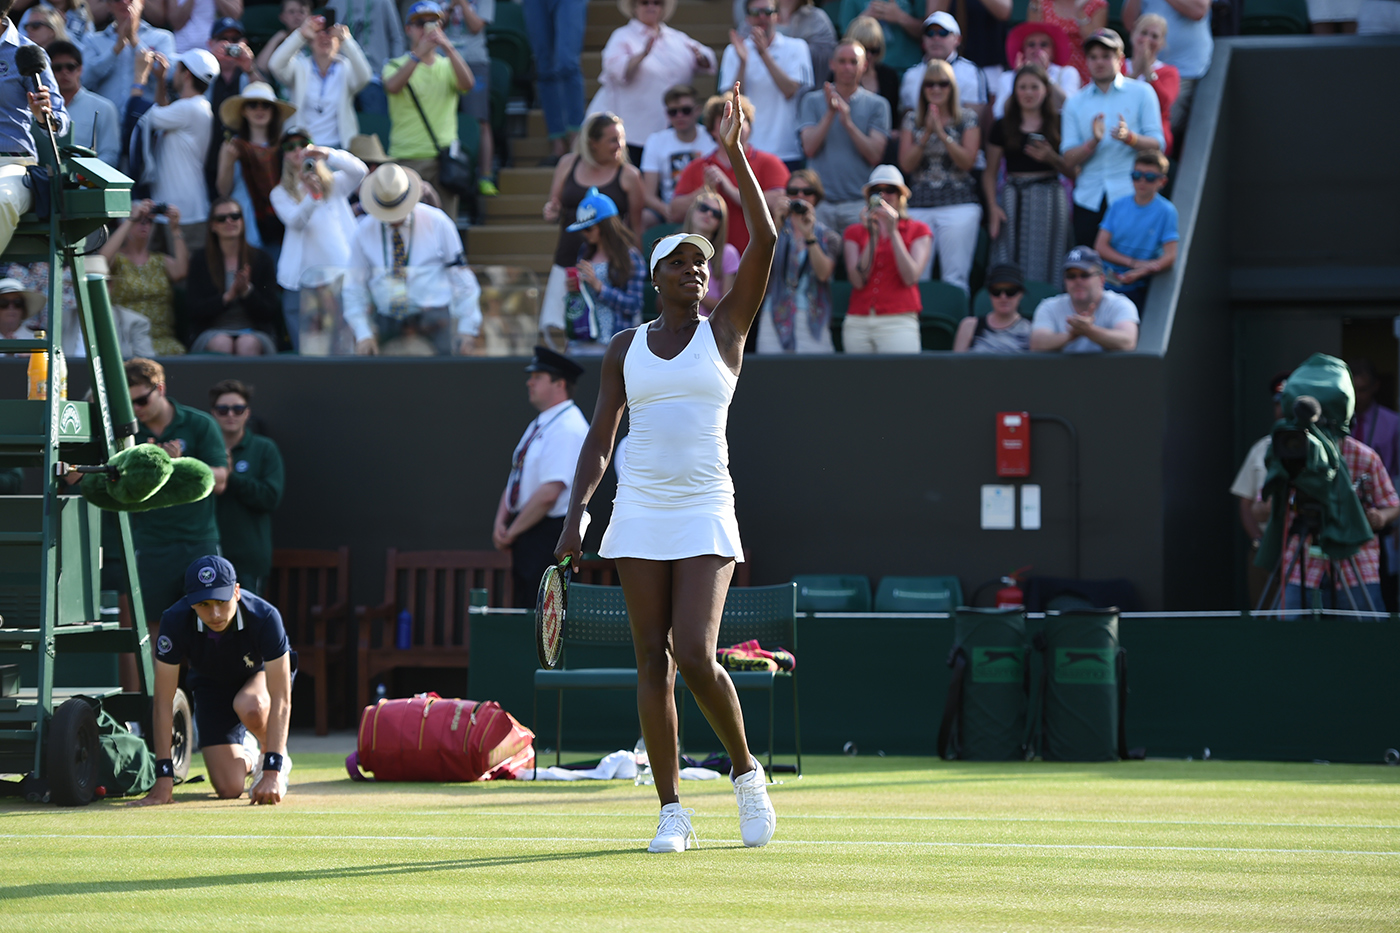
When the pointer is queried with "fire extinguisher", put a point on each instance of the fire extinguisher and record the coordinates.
(1011, 596)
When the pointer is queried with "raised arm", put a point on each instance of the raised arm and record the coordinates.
(735, 313)
(597, 447)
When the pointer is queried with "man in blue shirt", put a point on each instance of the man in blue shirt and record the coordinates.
(1138, 237)
(241, 669)
(96, 122)
(19, 107)
(1102, 129)
(110, 55)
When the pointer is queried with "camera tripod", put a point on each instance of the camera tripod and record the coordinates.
(1304, 525)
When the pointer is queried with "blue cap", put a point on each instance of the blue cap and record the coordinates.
(209, 577)
(594, 208)
(224, 25)
(423, 8)
(1084, 259)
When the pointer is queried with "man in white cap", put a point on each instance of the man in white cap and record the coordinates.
(175, 167)
(17, 304)
(942, 36)
(410, 282)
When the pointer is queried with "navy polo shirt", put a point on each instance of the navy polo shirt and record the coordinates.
(229, 657)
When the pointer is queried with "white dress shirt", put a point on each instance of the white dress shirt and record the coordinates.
(331, 219)
(775, 120)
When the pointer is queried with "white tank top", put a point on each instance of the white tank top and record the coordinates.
(678, 411)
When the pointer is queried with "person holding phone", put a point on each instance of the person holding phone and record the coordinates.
(885, 254)
(322, 88)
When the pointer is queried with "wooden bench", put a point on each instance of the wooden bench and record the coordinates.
(435, 587)
(311, 589)
(597, 618)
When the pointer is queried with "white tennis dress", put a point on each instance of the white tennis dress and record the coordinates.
(675, 497)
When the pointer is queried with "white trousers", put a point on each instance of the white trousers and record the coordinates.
(15, 199)
(954, 240)
(881, 333)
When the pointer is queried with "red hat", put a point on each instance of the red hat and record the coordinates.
(1017, 38)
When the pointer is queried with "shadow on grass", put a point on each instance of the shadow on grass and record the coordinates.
(220, 879)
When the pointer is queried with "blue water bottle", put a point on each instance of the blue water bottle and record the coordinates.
(403, 636)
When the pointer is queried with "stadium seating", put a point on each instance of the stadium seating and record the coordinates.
(376, 124)
(1036, 292)
(832, 593)
(1274, 17)
(597, 627)
(261, 23)
(311, 589)
(434, 587)
(918, 594)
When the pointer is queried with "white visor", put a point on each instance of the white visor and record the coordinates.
(668, 245)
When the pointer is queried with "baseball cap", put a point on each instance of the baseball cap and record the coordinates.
(945, 20)
(1082, 257)
(669, 244)
(209, 577)
(423, 8)
(201, 63)
(1006, 273)
(226, 24)
(595, 208)
(1106, 38)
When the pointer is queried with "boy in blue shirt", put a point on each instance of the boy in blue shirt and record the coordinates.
(1137, 237)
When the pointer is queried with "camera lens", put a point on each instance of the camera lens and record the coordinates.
(309, 165)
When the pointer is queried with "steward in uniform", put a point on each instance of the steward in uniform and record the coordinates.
(256, 479)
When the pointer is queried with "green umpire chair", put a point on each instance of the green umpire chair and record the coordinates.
(832, 593)
(597, 619)
(918, 594)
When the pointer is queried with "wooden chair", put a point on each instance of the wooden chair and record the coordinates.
(311, 589)
(435, 587)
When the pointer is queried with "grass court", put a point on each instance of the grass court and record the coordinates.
(863, 843)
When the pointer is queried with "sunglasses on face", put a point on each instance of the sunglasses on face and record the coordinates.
(141, 402)
(60, 67)
(884, 189)
(12, 303)
(292, 145)
(707, 209)
(226, 410)
(802, 192)
(257, 105)
(943, 84)
(650, 3)
(227, 218)
(679, 111)
(1147, 176)
(1004, 291)
(1074, 275)
(763, 11)
(938, 31)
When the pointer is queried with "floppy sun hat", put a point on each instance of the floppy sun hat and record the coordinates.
(595, 208)
(668, 245)
(1016, 40)
(231, 110)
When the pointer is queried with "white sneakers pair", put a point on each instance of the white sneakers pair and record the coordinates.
(757, 818)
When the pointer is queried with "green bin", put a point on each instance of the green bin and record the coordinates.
(1085, 678)
(985, 715)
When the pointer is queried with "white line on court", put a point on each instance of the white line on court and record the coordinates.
(1087, 847)
(872, 818)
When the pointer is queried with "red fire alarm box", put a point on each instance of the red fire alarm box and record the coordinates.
(1013, 443)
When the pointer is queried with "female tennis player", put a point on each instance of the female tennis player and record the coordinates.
(673, 531)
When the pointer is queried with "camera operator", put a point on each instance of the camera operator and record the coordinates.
(797, 308)
(1373, 487)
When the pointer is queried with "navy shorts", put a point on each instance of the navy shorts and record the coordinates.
(215, 722)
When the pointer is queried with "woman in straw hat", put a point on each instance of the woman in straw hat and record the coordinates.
(640, 60)
(673, 531)
(257, 117)
(313, 201)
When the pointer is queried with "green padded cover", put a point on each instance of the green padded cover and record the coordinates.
(994, 695)
(1081, 686)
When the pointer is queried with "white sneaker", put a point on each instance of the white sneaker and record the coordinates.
(284, 774)
(757, 818)
(673, 831)
(253, 752)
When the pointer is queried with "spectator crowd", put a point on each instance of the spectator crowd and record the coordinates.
(897, 144)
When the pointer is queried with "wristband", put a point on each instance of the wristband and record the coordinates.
(272, 761)
(165, 767)
(812, 241)
(137, 87)
(414, 56)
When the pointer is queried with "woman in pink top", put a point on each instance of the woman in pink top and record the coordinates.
(1078, 18)
(640, 61)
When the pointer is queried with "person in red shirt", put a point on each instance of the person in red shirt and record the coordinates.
(885, 253)
(715, 170)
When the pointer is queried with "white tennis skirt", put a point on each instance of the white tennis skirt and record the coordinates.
(671, 534)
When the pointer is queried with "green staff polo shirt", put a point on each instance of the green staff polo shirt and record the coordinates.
(255, 483)
(194, 521)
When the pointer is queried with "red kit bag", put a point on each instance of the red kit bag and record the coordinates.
(427, 738)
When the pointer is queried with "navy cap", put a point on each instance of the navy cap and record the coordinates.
(209, 577)
(547, 361)
(1084, 258)
(226, 24)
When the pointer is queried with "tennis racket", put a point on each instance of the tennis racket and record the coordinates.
(551, 608)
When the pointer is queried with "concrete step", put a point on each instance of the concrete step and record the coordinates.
(513, 208)
(533, 181)
(511, 239)
(534, 123)
(528, 150)
(537, 263)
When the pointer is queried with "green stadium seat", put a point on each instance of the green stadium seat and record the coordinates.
(510, 17)
(513, 49)
(832, 9)
(376, 124)
(832, 593)
(502, 76)
(1020, 9)
(840, 301)
(649, 238)
(261, 23)
(943, 301)
(936, 333)
(1036, 292)
(469, 134)
(1274, 18)
(918, 594)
